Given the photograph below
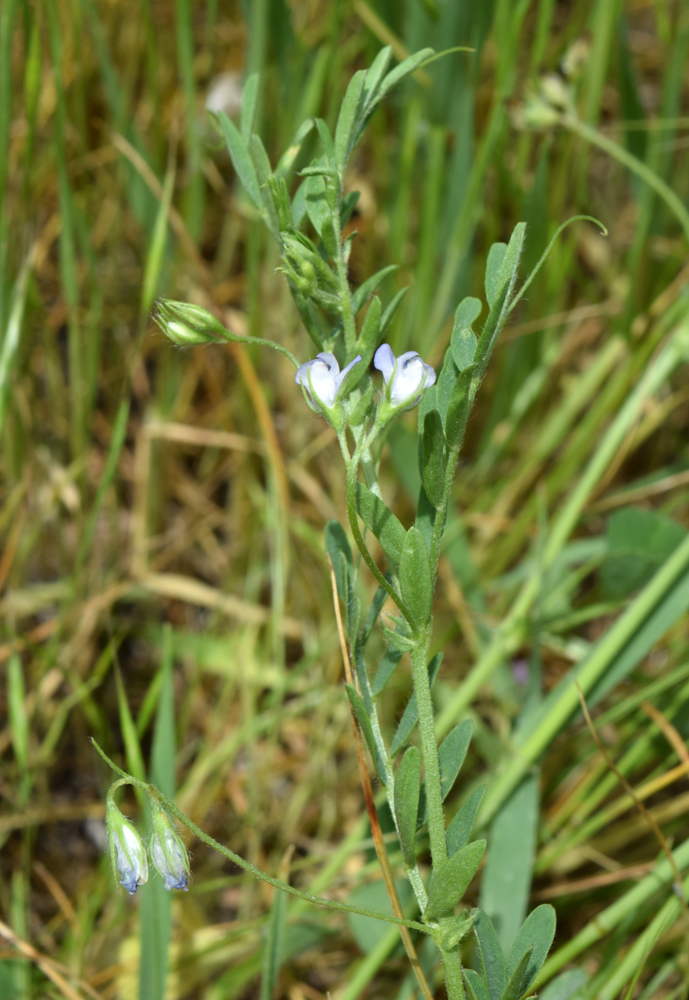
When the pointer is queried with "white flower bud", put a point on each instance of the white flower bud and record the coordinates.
(168, 853)
(405, 377)
(126, 851)
(322, 379)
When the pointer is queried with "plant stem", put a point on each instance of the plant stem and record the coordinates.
(352, 466)
(429, 750)
(647, 175)
(454, 980)
(277, 883)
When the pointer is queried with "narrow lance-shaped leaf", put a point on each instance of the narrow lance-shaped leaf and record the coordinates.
(338, 548)
(379, 519)
(476, 987)
(369, 336)
(348, 119)
(463, 341)
(490, 955)
(407, 787)
(264, 174)
(362, 718)
(496, 257)
(433, 468)
(249, 101)
(375, 74)
(241, 161)
(459, 830)
(536, 933)
(516, 984)
(370, 286)
(416, 585)
(451, 754)
(387, 667)
(451, 880)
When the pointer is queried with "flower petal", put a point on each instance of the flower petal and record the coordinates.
(384, 361)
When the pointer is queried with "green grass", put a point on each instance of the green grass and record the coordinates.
(162, 512)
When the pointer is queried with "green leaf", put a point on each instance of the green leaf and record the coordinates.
(504, 286)
(410, 715)
(346, 129)
(565, 985)
(264, 174)
(476, 986)
(398, 74)
(451, 754)
(370, 286)
(375, 74)
(457, 927)
(490, 956)
(407, 789)
(536, 933)
(459, 830)
(444, 386)
(459, 406)
(286, 161)
(386, 669)
(241, 161)
(416, 585)
(374, 610)
(349, 203)
(463, 341)
(506, 882)
(507, 276)
(249, 99)
(389, 314)
(369, 336)
(326, 141)
(639, 542)
(496, 257)
(156, 249)
(316, 204)
(451, 880)
(433, 468)
(517, 982)
(379, 519)
(357, 703)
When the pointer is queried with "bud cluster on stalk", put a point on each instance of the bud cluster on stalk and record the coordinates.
(130, 858)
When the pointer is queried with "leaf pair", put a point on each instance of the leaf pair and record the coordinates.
(509, 980)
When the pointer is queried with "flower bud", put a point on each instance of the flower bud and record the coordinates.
(126, 850)
(188, 325)
(168, 853)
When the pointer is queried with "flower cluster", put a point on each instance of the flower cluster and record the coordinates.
(129, 857)
(404, 380)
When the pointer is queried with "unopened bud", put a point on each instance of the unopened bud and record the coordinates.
(126, 851)
(187, 324)
(168, 853)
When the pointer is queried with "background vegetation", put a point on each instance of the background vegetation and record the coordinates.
(164, 585)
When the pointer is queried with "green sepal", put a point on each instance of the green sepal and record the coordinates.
(357, 703)
(451, 880)
(463, 341)
(433, 465)
(416, 584)
(407, 788)
(379, 519)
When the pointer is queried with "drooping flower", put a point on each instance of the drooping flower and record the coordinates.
(322, 379)
(405, 377)
(168, 853)
(126, 851)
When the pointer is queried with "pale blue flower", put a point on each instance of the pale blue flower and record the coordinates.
(405, 377)
(322, 379)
